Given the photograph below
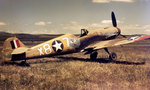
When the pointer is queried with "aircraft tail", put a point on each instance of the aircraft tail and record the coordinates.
(8, 47)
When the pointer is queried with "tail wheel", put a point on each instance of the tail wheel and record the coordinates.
(93, 55)
(113, 56)
(24, 63)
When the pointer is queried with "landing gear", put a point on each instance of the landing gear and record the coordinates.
(93, 55)
(112, 55)
(24, 63)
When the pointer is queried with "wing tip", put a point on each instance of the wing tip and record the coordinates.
(143, 37)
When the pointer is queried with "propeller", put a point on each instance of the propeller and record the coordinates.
(114, 22)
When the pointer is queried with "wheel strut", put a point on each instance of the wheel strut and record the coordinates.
(106, 50)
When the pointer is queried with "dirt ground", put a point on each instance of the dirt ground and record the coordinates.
(131, 71)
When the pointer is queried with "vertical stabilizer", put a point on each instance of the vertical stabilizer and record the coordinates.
(9, 45)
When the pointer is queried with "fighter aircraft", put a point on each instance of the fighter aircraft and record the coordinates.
(89, 42)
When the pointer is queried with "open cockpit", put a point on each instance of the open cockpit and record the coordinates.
(84, 32)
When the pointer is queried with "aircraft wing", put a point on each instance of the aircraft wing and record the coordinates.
(116, 42)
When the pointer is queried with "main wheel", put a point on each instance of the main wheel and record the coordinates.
(93, 55)
(113, 56)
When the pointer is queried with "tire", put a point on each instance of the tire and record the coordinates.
(93, 55)
(113, 56)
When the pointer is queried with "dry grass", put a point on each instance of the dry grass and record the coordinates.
(75, 71)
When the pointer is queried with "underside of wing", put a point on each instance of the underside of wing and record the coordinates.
(116, 42)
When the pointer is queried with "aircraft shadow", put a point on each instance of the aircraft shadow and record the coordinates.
(65, 59)
(14, 63)
(99, 60)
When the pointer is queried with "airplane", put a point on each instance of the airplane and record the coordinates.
(89, 42)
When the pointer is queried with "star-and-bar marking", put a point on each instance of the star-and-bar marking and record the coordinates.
(57, 46)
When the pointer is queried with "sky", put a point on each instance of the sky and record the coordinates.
(70, 16)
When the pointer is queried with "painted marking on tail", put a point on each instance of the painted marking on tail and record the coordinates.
(15, 44)
(12, 45)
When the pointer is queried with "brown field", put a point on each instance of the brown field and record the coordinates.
(75, 71)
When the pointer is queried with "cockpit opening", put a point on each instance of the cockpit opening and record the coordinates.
(83, 32)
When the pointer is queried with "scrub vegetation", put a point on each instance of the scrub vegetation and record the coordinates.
(75, 71)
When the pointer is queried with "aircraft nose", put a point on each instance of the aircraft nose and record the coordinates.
(119, 31)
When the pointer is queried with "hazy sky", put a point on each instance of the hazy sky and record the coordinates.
(69, 16)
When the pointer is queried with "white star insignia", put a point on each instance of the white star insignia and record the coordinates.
(57, 45)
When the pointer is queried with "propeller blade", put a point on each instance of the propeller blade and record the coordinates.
(114, 22)
(123, 36)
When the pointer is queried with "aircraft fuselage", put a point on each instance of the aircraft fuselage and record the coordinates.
(70, 43)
